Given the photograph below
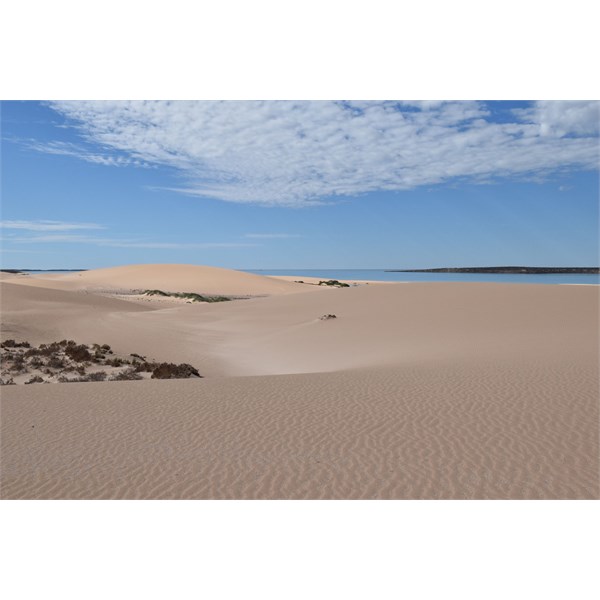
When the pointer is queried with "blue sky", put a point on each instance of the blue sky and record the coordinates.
(299, 184)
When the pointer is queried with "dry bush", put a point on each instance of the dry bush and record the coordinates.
(97, 376)
(78, 353)
(55, 362)
(13, 344)
(126, 375)
(172, 371)
(18, 363)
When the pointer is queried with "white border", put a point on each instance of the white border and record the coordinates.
(326, 49)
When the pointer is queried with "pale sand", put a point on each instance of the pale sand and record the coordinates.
(171, 278)
(420, 390)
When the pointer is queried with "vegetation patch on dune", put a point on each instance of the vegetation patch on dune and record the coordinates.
(334, 283)
(69, 362)
(192, 296)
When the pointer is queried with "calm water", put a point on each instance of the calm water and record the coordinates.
(380, 275)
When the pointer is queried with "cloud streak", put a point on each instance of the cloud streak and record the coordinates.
(123, 243)
(59, 148)
(47, 225)
(301, 153)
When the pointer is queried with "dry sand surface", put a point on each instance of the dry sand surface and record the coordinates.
(420, 390)
(172, 278)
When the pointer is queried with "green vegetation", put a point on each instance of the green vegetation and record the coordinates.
(187, 296)
(334, 283)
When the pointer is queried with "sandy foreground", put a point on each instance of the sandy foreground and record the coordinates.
(420, 390)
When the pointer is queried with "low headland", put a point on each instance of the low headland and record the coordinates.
(507, 270)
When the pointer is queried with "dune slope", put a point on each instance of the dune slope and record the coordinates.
(180, 278)
(508, 431)
(423, 390)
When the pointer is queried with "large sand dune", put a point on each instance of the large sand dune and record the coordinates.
(415, 390)
(173, 278)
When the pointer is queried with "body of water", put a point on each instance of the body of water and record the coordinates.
(381, 275)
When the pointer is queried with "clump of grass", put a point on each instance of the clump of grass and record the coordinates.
(187, 296)
(36, 379)
(334, 283)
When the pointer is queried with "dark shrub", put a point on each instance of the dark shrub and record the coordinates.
(55, 362)
(13, 344)
(145, 367)
(171, 371)
(49, 349)
(19, 363)
(36, 379)
(127, 375)
(7, 381)
(116, 362)
(334, 283)
(78, 353)
(97, 376)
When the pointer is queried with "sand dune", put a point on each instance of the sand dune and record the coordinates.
(508, 431)
(420, 390)
(178, 278)
(43, 315)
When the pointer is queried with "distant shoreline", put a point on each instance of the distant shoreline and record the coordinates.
(40, 270)
(509, 270)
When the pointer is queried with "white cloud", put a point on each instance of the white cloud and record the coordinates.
(299, 153)
(48, 225)
(561, 118)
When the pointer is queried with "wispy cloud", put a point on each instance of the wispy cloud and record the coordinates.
(271, 236)
(176, 245)
(48, 225)
(123, 243)
(300, 153)
(78, 151)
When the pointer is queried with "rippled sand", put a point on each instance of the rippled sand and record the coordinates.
(424, 390)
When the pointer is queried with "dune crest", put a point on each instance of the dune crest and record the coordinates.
(180, 278)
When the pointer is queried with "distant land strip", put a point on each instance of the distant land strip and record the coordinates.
(40, 270)
(512, 270)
